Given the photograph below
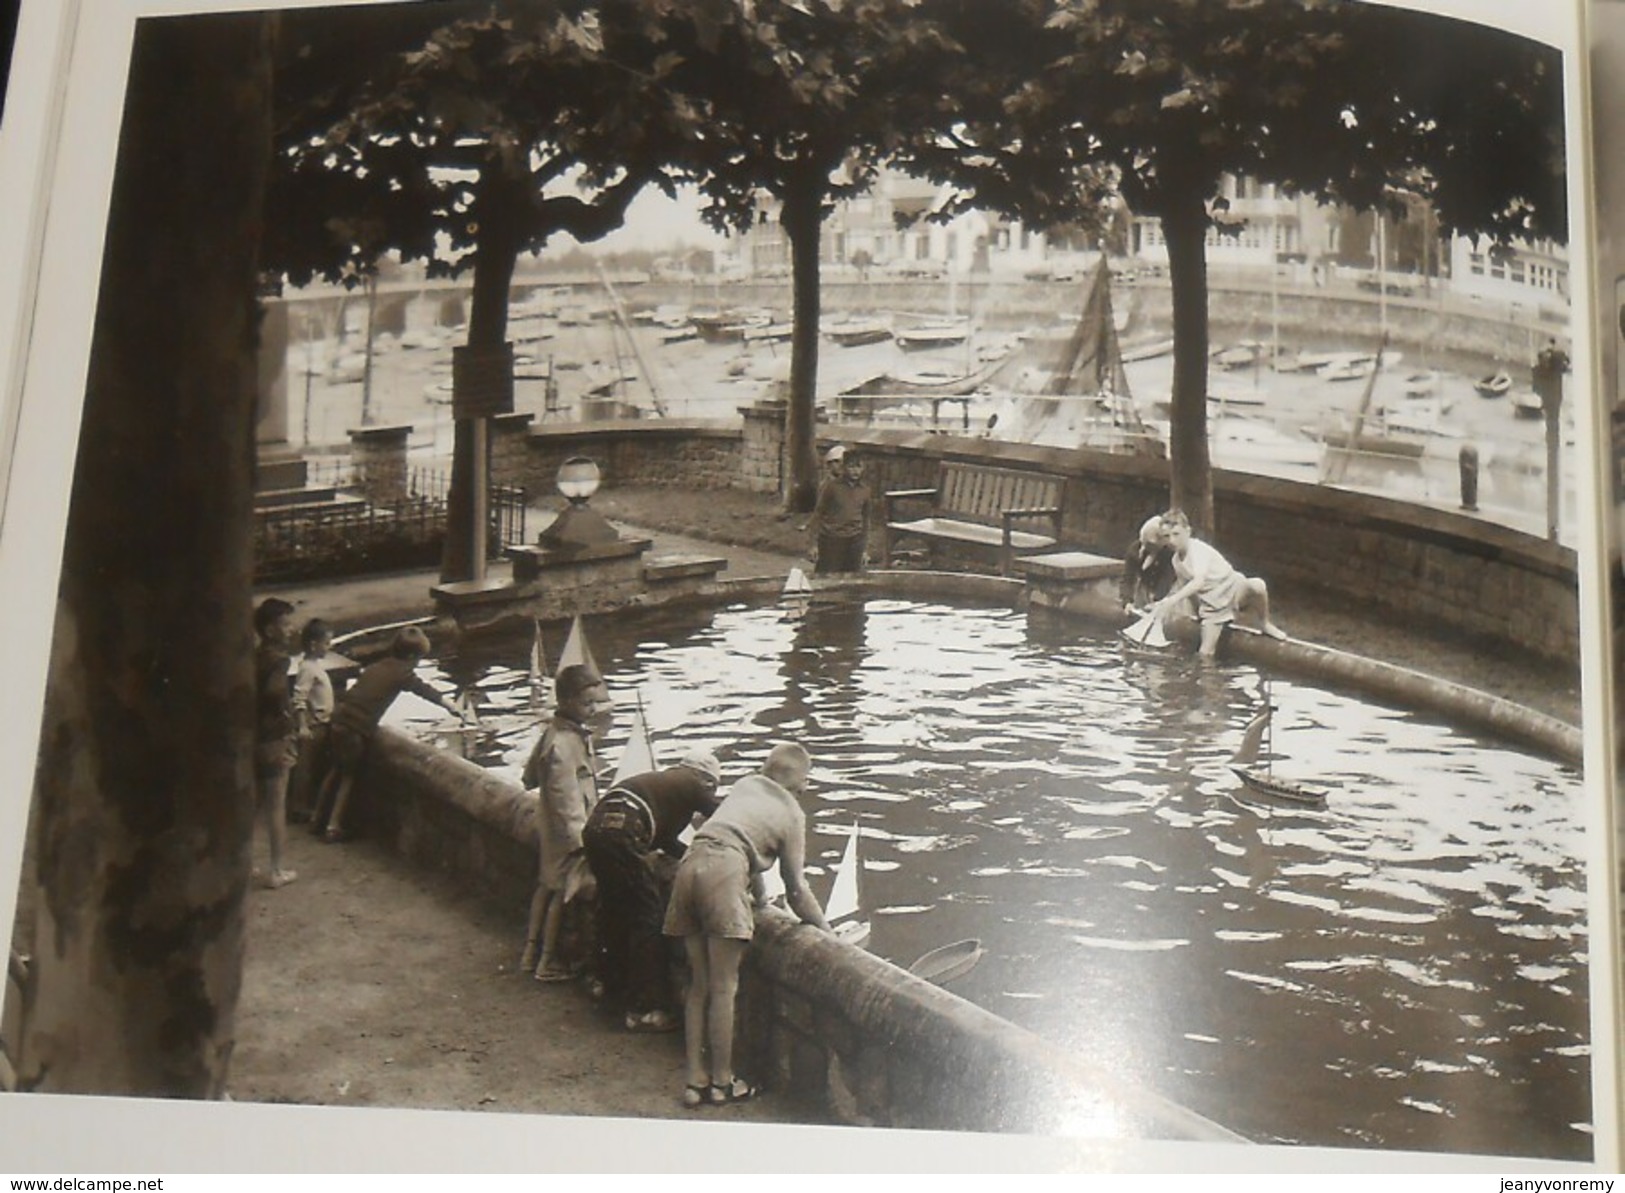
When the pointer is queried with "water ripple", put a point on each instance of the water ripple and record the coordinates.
(1027, 786)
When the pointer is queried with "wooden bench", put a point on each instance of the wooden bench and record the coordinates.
(979, 506)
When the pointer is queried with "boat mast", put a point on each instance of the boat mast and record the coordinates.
(1269, 730)
(626, 327)
(1275, 295)
(1334, 472)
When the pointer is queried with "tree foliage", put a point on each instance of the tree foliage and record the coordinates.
(536, 116)
(1354, 103)
(476, 133)
(800, 100)
(391, 123)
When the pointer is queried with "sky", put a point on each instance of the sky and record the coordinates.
(656, 222)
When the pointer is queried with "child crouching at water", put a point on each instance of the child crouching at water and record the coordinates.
(1207, 578)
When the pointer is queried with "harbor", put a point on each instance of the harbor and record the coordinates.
(1284, 405)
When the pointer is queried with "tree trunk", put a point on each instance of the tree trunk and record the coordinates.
(494, 260)
(803, 222)
(366, 365)
(1184, 226)
(144, 796)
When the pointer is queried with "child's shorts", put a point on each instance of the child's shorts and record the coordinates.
(711, 896)
(1218, 604)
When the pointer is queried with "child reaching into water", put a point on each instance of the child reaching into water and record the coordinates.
(355, 722)
(1218, 590)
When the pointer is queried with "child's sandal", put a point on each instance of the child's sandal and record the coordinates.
(695, 1096)
(737, 1090)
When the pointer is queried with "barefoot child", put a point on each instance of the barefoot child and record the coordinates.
(1218, 590)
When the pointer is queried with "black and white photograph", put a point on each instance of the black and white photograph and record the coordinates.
(937, 584)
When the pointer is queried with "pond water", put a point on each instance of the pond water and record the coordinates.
(1406, 968)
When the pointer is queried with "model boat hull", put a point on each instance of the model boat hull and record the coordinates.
(1265, 783)
(949, 962)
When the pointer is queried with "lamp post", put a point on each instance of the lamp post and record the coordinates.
(578, 525)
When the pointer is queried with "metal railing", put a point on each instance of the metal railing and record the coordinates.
(347, 535)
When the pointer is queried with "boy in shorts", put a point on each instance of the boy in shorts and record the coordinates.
(718, 885)
(1219, 591)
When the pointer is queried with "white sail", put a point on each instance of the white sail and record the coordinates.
(638, 756)
(797, 584)
(843, 894)
(1252, 738)
(1147, 632)
(576, 651)
(466, 707)
(538, 668)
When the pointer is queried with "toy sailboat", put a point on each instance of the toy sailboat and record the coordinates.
(1255, 740)
(638, 755)
(539, 681)
(576, 651)
(1146, 634)
(796, 596)
(843, 909)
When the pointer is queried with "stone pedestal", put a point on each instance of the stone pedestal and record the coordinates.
(278, 468)
(1074, 582)
(379, 455)
(550, 585)
(673, 577)
(761, 457)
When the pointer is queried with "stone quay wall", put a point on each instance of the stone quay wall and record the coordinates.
(685, 453)
(1435, 568)
(846, 1034)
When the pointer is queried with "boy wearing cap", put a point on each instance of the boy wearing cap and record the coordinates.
(639, 820)
(564, 770)
(355, 722)
(840, 521)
